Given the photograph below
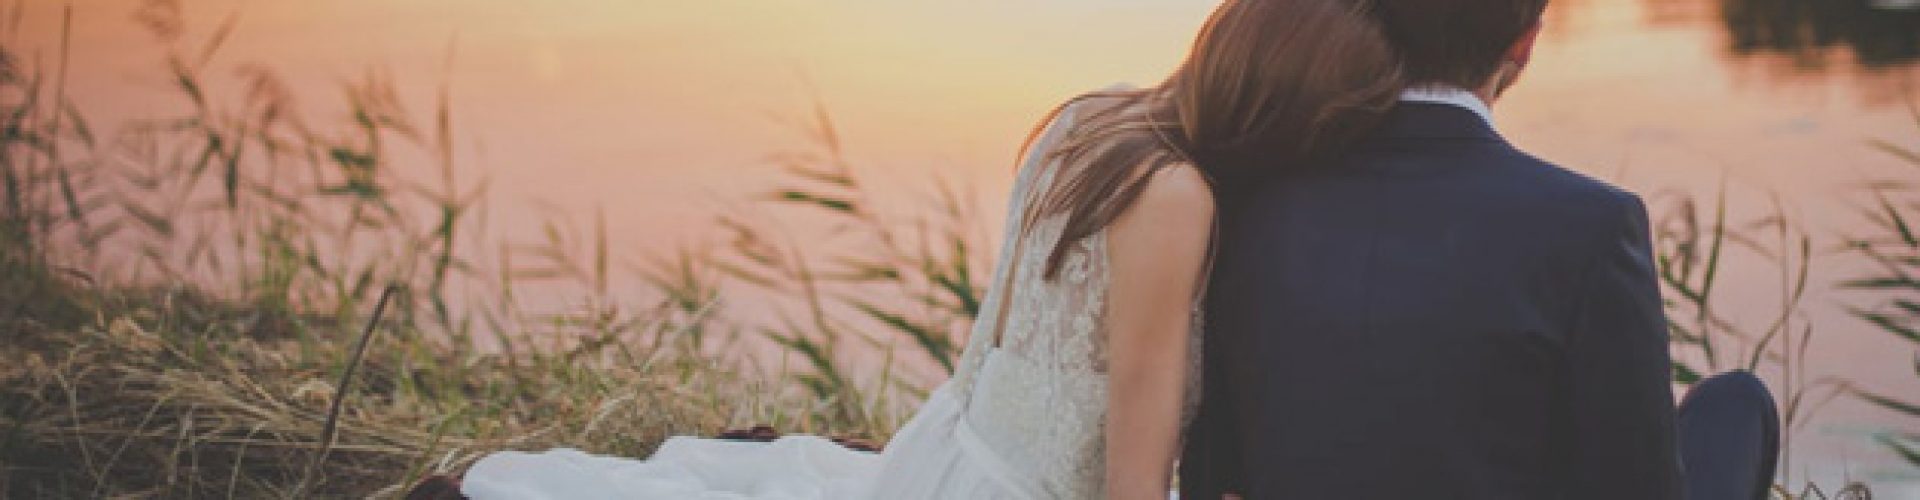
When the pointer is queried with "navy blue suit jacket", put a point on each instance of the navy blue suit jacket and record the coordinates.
(1434, 315)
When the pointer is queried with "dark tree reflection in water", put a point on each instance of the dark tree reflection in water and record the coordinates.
(1871, 46)
(1878, 34)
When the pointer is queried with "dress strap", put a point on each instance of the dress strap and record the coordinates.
(1033, 169)
(1005, 286)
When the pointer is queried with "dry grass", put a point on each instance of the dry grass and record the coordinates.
(161, 394)
(181, 300)
(166, 395)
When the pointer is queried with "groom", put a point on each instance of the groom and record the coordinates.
(1436, 314)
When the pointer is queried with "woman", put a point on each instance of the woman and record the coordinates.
(1077, 380)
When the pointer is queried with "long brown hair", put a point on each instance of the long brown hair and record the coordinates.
(1268, 84)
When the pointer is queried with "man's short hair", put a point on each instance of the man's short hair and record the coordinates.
(1455, 42)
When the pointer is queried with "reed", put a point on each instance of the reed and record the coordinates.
(1694, 241)
(894, 283)
(1894, 249)
(182, 302)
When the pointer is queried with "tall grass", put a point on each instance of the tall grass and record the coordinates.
(1695, 242)
(1894, 248)
(183, 298)
(891, 281)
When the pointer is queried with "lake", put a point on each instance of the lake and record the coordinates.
(662, 113)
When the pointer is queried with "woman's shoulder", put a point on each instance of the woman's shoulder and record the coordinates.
(1179, 190)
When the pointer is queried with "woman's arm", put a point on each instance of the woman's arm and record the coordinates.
(1157, 250)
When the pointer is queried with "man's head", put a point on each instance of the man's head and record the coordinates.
(1478, 45)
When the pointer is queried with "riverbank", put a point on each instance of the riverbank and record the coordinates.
(166, 393)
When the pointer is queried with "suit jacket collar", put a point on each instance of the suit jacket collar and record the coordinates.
(1445, 94)
(1429, 120)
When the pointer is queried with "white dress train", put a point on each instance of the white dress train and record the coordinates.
(1022, 418)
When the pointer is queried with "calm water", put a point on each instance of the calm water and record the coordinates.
(653, 110)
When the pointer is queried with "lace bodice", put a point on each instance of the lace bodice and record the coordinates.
(1037, 400)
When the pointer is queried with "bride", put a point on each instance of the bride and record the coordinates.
(1079, 376)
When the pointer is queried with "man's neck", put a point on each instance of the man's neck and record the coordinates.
(1487, 94)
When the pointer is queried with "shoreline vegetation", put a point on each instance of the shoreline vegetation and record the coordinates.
(180, 301)
(188, 305)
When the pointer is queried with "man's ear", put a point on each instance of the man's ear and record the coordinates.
(1522, 50)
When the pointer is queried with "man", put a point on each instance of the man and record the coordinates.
(1436, 314)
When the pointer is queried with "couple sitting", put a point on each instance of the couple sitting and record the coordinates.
(1397, 302)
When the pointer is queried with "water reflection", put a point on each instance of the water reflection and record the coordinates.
(1866, 50)
(1877, 34)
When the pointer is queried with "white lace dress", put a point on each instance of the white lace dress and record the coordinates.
(1023, 419)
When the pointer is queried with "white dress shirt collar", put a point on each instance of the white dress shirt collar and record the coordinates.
(1441, 94)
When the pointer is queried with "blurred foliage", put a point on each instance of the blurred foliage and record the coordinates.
(181, 303)
(1894, 249)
